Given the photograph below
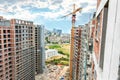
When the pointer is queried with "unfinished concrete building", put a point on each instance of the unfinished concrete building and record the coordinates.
(71, 53)
(6, 53)
(39, 49)
(82, 52)
(76, 53)
(17, 50)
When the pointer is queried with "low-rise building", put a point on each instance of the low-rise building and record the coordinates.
(50, 53)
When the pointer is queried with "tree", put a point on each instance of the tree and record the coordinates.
(47, 40)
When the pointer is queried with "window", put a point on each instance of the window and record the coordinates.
(10, 62)
(0, 46)
(4, 31)
(104, 28)
(5, 46)
(8, 31)
(9, 49)
(10, 55)
(16, 31)
(7, 76)
(4, 36)
(8, 36)
(1, 75)
(8, 40)
(10, 75)
(10, 78)
(98, 27)
(9, 45)
(1, 71)
(4, 41)
(0, 62)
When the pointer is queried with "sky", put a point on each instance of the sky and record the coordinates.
(48, 12)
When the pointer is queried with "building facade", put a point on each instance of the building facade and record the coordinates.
(6, 53)
(17, 50)
(23, 47)
(57, 32)
(39, 49)
(71, 52)
(106, 55)
(81, 49)
(76, 53)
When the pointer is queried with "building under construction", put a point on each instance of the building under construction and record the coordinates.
(39, 49)
(76, 53)
(80, 56)
(17, 50)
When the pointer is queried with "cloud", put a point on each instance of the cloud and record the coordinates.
(22, 8)
(54, 2)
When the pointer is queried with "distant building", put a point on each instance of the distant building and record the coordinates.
(39, 49)
(65, 38)
(54, 39)
(50, 53)
(57, 32)
(47, 33)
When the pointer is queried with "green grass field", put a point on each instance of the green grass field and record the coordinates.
(63, 49)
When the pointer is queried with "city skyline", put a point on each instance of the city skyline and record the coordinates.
(48, 12)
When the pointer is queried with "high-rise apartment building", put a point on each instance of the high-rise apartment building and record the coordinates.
(83, 53)
(86, 53)
(57, 32)
(76, 53)
(24, 49)
(39, 49)
(6, 53)
(106, 55)
(80, 57)
(17, 50)
(71, 52)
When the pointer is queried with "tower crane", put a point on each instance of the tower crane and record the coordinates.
(73, 13)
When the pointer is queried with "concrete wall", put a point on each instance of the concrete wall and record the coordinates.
(112, 48)
(42, 45)
(40, 48)
(112, 44)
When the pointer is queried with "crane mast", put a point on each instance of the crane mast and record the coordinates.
(73, 13)
(73, 16)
